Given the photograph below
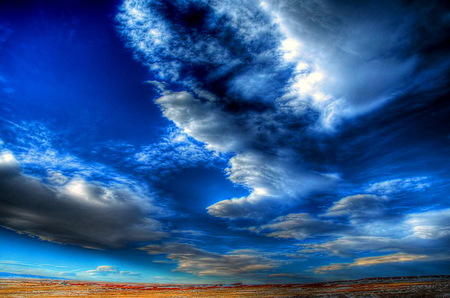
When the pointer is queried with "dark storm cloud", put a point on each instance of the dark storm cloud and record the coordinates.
(79, 213)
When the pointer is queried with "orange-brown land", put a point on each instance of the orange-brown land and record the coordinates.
(379, 287)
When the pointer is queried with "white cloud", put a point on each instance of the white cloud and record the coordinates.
(430, 224)
(104, 270)
(299, 226)
(203, 121)
(175, 151)
(272, 181)
(398, 185)
(166, 48)
(359, 207)
(251, 206)
(7, 159)
(269, 176)
(110, 271)
(37, 150)
(364, 52)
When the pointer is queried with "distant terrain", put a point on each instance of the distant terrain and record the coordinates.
(411, 286)
(14, 275)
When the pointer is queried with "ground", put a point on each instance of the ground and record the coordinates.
(375, 287)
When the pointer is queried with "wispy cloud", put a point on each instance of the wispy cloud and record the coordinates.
(18, 267)
(107, 270)
(299, 226)
(398, 185)
(359, 207)
(201, 262)
(175, 151)
(371, 261)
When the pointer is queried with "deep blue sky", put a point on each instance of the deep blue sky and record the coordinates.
(202, 141)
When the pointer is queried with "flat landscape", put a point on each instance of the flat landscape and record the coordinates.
(438, 286)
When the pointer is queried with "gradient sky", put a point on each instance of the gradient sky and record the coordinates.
(192, 141)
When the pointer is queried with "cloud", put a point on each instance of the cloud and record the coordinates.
(30, 265)
(41, 152)
(371, 261)
(189, 232)
(200, 262)
(354, 57)
(251, 206)
(79, 212)
(430, 224)
(274, 182)
(8, 161)
(106, 270)
(38, 269)
(349, 246)
(282, 275)
(270, 176)
(203, 121)
(398, 185)
(298, 226)
(173, 152)
(178, 40)
(275, 107)
(422, 233)
(233, 108)
(359, 207)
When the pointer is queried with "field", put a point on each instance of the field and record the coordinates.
(373, 287)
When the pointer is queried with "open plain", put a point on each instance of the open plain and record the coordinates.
(373, 287)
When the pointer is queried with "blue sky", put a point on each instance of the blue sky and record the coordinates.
(210, 141)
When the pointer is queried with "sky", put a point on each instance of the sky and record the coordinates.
(229, 141)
